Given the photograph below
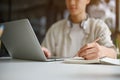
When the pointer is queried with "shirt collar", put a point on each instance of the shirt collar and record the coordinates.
(85, 25)
(81, 24)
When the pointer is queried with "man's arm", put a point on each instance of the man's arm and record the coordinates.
(96, 51)
(103, 47)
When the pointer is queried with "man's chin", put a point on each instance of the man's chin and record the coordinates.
(73, 14)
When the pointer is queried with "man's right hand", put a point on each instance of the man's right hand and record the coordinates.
(46, 52)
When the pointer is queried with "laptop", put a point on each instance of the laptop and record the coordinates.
(21, 42)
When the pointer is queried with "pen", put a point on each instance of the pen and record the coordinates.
(96, 40)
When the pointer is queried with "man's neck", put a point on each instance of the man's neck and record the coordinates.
(78, 18)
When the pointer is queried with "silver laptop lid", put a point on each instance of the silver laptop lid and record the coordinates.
(21, 41)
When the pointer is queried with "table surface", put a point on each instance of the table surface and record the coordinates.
(11, 69)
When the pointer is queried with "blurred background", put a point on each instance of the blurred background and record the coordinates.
(43, 13)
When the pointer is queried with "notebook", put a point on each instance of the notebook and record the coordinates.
(21, 42)
(104, 60)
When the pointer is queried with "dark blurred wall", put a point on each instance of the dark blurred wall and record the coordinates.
(41, 13)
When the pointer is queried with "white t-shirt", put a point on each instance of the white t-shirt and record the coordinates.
(76, 35)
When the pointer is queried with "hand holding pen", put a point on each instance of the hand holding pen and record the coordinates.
(91, 50)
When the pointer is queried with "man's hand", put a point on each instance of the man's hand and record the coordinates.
(91, 51)
(95, 51)
(46, 52)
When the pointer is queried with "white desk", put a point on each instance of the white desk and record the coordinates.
(31, 70)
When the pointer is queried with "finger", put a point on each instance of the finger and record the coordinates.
(87, 51)
(91, 56)
(46, 52)
(88, 46)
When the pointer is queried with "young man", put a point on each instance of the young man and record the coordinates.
(79, 35)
